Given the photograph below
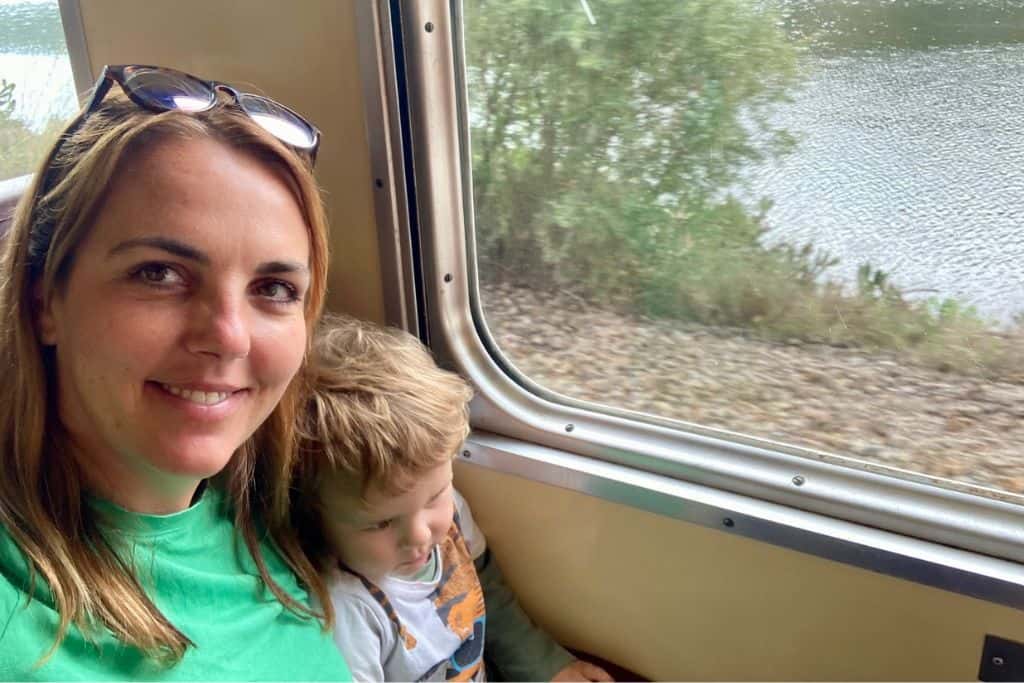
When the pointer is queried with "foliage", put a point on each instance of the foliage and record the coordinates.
(604, 160)
(601, 151)
(22, 148)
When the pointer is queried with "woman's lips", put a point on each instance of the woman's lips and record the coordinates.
(205, 398)
(207, 401)
(205, 394)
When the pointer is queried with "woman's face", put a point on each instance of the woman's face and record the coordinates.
(182, 320)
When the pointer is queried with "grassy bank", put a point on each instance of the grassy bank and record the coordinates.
(722, 275)
(22, 147)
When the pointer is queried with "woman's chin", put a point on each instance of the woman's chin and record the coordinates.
(193, 461)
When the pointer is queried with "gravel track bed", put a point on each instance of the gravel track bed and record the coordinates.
(872, 406)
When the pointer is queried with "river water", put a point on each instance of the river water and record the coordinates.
(910, 128)
(911, 160)
(33, 56)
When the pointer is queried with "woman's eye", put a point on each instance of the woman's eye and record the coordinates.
(277, 291)
(156, 274)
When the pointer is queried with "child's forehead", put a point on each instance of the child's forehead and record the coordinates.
(350, 499)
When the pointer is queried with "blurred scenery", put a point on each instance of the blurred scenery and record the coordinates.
(797, 220)
(792, 219)
(37, 92)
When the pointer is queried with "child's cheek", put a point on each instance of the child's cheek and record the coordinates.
(385, 552)
(444, 522)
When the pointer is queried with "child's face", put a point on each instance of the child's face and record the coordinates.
(390, 534)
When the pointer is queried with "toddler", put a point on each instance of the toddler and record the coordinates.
(413, 587)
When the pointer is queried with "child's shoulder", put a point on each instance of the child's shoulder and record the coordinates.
(471, 533)
(461, 504)
(348, 587)
(354, 600)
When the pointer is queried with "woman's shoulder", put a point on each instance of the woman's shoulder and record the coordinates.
(17, 634)
(14, 574)
(231, 616)
(9, 598)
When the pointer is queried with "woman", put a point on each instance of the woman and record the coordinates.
(156, 290)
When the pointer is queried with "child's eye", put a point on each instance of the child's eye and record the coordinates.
(439, 498)
(379, 526)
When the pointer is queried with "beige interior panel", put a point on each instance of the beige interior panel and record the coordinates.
(672, 600)
(301, 53)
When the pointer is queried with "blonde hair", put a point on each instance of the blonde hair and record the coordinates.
(41, 494)
(380, 413)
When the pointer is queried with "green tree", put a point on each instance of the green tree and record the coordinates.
(603, 153)
(605, 156)
(20, 147)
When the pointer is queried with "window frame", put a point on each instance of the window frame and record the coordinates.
(824, 504)
(78, 49)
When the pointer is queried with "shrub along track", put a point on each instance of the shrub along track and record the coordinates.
(876, 407)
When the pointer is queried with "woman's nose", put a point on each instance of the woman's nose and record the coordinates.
(220, 328)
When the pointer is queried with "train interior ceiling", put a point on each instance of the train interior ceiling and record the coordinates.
(675, 546)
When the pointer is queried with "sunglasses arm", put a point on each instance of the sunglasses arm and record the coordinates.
(100, 90)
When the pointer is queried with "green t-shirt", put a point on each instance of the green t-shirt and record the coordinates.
(197, 571)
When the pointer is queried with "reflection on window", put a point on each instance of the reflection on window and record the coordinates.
(37, 93)
(795, 219)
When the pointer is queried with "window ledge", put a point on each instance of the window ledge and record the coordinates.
(952, 569)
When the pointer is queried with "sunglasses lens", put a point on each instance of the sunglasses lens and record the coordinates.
(164, 89)
(279, 121)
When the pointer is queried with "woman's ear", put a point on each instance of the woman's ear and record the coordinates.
(46, 327)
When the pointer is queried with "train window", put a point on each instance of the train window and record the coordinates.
(37, 91)
(583, 201)
(782, 221)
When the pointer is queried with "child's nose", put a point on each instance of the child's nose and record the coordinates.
(418, 534)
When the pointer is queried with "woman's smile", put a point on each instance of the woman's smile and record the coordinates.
(202, 401)
(205, 398)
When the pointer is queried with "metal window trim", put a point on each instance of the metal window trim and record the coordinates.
(378, 68)
(11, 189)
(905, 503)
(78, 48)
(923, 562)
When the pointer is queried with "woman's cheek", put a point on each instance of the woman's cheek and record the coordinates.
(279, 353)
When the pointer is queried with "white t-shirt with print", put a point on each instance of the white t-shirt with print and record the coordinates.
(404, 629)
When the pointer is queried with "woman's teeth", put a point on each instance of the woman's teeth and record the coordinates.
(206, 398)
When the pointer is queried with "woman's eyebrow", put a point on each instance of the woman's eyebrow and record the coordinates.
(281, 267)
(186, 251)
(167, 244)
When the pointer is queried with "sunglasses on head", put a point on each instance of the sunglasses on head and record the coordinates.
(158, 89)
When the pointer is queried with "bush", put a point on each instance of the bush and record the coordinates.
(603, 161)
(22, 148)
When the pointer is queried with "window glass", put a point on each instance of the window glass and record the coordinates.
(37, 92)
(797, 220)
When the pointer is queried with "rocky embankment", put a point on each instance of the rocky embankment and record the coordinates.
(875, 407)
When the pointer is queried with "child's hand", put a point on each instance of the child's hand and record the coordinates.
(582, 671)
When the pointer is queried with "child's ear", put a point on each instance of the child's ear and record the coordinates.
(46, 327)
